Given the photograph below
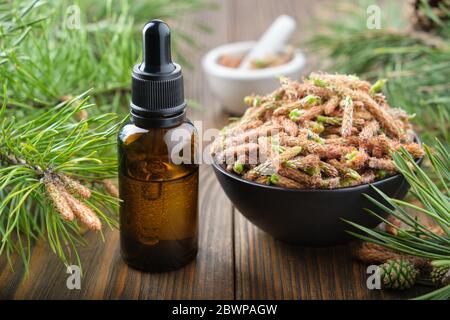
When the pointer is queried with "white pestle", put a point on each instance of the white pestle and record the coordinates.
(272, 41)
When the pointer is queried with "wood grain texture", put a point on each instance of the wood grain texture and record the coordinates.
(270, 269)
(236, 259)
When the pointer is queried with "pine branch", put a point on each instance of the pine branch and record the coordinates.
(416, 238)
(57, 149)
(48, 162)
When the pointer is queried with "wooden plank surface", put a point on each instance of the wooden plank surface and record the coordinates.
(236, 259)
(270, 269)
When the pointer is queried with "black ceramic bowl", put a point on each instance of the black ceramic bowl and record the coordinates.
(308, 217)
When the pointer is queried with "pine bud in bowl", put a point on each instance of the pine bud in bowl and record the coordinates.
(302, 158)
(230, 84)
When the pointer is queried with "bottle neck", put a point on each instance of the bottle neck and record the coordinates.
(158, 122)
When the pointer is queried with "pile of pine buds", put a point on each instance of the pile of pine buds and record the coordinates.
(329, 131)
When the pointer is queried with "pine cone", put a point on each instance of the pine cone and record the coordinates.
(441, 276)
(397, 274)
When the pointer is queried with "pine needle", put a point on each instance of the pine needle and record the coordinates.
(45, 64)
(416, 239)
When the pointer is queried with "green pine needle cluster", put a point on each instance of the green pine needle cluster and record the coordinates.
(65, 69)
(51, 141)
(65, 48)
(416, 238)
(416, 63)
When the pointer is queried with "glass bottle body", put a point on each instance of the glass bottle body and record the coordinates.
(158, 182)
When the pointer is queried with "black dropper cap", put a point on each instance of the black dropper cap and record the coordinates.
(157, 94)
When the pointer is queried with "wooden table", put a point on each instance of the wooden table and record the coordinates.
(236, 260)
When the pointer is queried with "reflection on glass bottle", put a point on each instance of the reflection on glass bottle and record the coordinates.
(159, 211)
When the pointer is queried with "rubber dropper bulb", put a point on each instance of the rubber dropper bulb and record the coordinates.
(156, 54)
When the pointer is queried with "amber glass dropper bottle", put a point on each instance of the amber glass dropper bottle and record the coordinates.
(159, 192)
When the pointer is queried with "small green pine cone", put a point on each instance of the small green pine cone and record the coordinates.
(441, 276)
(398, 274)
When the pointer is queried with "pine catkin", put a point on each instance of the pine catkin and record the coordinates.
(235, 152)
(331, 183)
(385, 164)
(312, 113)
(288, 154)
(83, 213)
(58, 200)
(396, 225)
(81, 115)
(66, 98)
(347, 117)
(379, 146)
(334, 151)
(331, 105)
(289, 126)
(383, 117)
(357, 160)
(300, 177)
(328, 169)
(75, 187)
(251, 135)
(372, 253)
(413, 148)
(436, 230)
(368, 177)
(111, 188)
(308, 162)
(369, 130)
(336, 79)
(284, 182)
